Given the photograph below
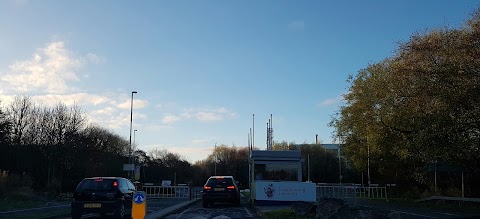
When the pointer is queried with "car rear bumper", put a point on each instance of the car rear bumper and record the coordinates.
(221, 197)
(106, 207)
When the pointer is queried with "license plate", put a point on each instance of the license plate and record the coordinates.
(219, 189)
(93, 205)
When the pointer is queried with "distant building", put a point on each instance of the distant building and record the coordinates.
(327, 147)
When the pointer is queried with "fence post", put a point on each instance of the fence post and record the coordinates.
(355, 194)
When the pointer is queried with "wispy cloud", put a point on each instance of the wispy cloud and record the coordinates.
(296, 25)
(138, 103)
(203, 115)
(331, 101)
(94, 58)
(170, 119)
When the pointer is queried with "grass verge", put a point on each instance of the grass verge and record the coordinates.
(7, 205)
(284, 214)
(469, 208)
(51, 214)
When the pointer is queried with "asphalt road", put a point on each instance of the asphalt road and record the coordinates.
(152, 206)
(412, 212)
(217, 211)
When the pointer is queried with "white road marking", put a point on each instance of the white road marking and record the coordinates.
(446, 213)
(58, 206)
(402, 212)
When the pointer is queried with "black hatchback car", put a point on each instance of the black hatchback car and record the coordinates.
(103, 195)
(220, 189)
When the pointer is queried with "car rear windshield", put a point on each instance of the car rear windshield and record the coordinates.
(96, 185)
(220, 181)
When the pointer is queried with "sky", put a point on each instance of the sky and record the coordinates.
(203, 68)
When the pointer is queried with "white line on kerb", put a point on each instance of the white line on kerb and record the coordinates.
(415, 214)
(249, 214)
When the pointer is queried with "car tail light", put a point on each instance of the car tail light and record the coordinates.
(231, 187)
(207, 187)
(115, 184)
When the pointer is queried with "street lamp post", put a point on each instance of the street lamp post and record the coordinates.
(308, 160)
(134, 145)
(215, 156)
(368, 163)
(130, 141)
(308, 165)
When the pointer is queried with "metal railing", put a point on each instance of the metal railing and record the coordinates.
(374, 192)
(167, 191)
(350, 193)
(185, 192)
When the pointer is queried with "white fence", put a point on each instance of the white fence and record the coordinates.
(167, 191)
(350, 193)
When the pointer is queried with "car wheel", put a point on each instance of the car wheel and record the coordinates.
(76, 214)
(120, 212)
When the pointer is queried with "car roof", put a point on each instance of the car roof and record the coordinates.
(221, 177)
(105, 177)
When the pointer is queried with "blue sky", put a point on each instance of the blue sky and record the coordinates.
(202, 68)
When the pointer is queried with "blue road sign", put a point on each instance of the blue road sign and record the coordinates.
(139, 198)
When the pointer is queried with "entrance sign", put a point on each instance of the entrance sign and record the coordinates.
(128, 167)
(139, 205)
(137, 172)
(285, 191)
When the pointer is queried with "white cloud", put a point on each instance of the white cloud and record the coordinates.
(70, 99)
(296, 25)
(114, 121)
(105, 111)
(137, 104)
(48, 78)
(208, 116)
(202, 141)
(49, 71)
(170, 119)
(192, 154)
(203, 115)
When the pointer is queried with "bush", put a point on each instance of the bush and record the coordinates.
(3, 183)
(16, 186)
(22, 193)
(453, 192)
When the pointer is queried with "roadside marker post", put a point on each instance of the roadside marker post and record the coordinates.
(139, 205)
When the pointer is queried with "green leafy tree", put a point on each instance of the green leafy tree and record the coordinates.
(416, 108)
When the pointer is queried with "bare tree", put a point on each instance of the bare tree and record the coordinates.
(19, 115)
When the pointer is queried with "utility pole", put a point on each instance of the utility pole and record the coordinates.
(308, 161)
